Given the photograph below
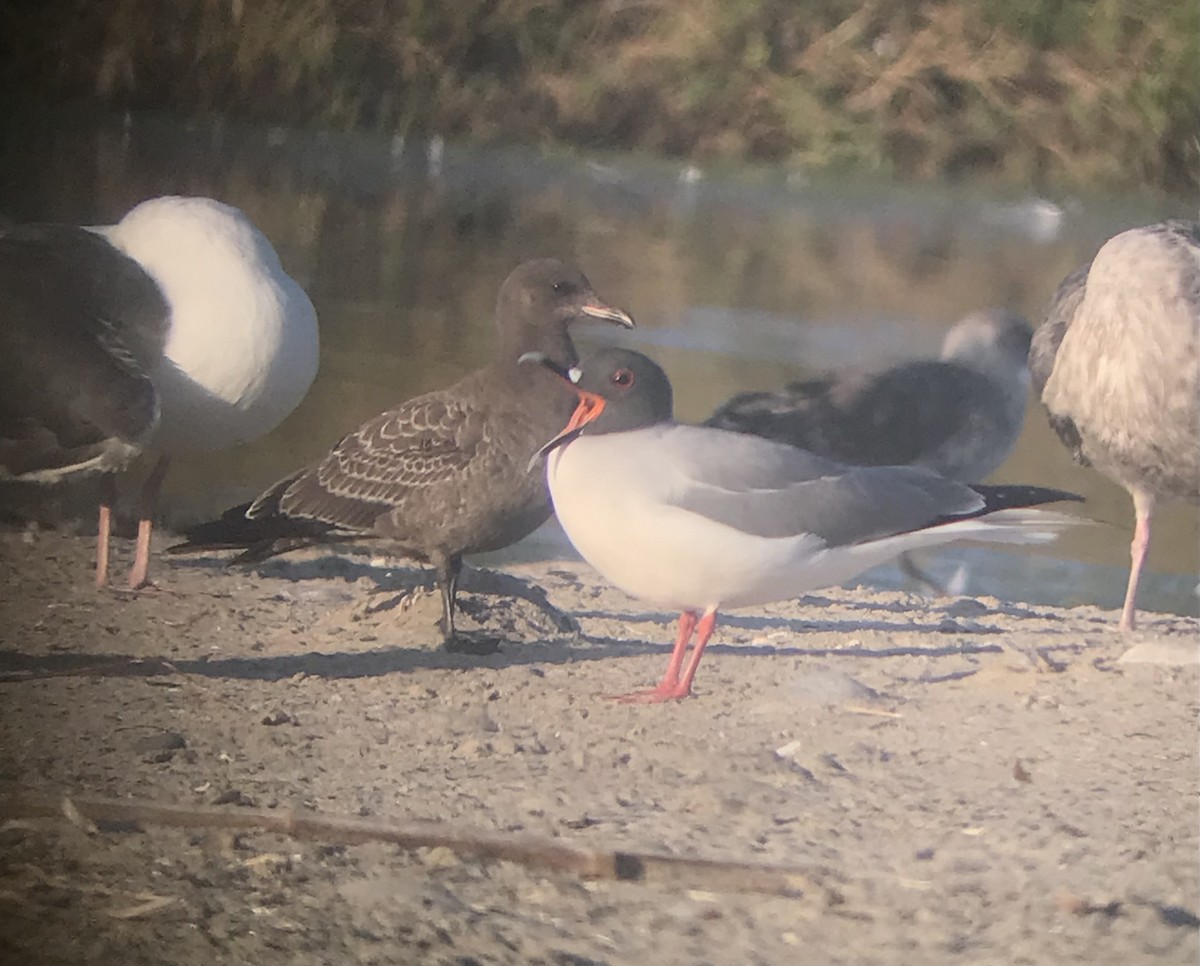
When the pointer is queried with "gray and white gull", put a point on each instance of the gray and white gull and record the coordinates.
(959, 415)
(697, 519)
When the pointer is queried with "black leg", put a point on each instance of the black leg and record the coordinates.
(473, 643)
(912, 570)
(448, 569)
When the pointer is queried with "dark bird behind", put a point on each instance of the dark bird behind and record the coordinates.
(83, 324)
(959, 415)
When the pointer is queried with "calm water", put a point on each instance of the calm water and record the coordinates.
(737, 279)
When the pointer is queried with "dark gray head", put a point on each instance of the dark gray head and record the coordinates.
(636, 392)
(618, 390)
(536, 304)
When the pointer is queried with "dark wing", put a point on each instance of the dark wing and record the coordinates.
(82, 324)
(386, 463)
(892, 417)
(1043, 351)
(383, 464)
(370, 472)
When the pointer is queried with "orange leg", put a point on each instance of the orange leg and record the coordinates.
(672, 687)
(139, 575)
(1143, 510)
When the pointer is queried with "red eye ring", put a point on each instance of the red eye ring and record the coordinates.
(622, 378)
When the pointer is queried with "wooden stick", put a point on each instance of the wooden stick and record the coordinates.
(534, 853)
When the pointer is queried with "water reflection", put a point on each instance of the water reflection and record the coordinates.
(738, 280)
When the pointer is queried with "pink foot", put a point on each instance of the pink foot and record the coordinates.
(139, 576)
(657, 695)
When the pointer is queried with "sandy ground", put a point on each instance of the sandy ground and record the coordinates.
(868, 777)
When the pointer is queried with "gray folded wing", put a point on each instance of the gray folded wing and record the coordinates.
(772, 490)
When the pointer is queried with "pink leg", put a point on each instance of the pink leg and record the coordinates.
(708, 623)
(672, 687)
(139, 575)
(108, 496)
(1143, 510)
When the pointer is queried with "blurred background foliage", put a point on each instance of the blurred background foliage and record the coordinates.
(1031, 92)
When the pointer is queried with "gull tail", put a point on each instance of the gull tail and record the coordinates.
(1016, 525)
(257, 537)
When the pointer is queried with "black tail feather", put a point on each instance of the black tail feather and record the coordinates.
(1007, 497)
(258, 537)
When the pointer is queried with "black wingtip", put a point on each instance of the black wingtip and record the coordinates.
(231, 531)
(1016, 496)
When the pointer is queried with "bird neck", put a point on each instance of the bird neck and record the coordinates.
(551, 340)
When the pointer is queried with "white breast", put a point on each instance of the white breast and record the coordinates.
(613, 495)
(617, 497)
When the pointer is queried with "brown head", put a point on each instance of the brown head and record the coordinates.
(537, 304)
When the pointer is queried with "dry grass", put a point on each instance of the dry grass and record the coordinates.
(1032, 91)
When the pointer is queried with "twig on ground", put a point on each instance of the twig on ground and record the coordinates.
(541, 854)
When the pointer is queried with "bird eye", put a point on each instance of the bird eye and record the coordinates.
(622, 378)
(559, 287)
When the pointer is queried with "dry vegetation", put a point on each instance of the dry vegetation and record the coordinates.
(1026, 91)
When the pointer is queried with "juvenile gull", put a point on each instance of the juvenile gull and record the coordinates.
(696, 519)
(1117, 365)
(174, 330)
(445, 473)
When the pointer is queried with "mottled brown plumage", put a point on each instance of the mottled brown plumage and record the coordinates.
(447, 473)
(1117, 365)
